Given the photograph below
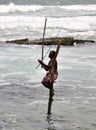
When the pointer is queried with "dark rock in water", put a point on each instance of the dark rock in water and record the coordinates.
(66, 41)
(79, 41)
(47, 41)
(19, 41)
(53, 41)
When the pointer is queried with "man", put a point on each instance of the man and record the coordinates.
(49, 78)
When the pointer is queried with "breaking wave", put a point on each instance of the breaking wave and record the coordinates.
(19, 8)
(11, 8)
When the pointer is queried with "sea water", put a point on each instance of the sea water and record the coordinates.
(23, 100)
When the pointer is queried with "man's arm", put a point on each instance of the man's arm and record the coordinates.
(46, 67)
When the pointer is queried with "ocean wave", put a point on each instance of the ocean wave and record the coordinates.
(80, 23)
(19, 8)
(12, 7)
(9, 22)
(79, 7)
(18, 21)
(27, 26)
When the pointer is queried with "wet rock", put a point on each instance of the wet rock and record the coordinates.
(66, 41)
(79, 41)
(53, 41)
(19, 41)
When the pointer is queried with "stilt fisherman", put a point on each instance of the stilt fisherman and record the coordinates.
(47, 80)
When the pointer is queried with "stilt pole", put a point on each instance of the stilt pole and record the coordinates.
(50, 100)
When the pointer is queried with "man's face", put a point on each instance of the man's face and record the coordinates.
(51, 54)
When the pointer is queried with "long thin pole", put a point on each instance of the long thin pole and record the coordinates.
(50, 99)
(52, 78)
(43, 40)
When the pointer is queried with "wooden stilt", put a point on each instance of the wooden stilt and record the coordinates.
(50, 100)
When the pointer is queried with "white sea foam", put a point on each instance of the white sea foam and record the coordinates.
(28, 22)
(10, 117)
(13, 73)
(79, 7)
(38, 102)
(11, 7)
(18, 8)
(11, 22)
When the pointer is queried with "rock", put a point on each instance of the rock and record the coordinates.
(47, 41)
(53, 41)
(19, 41)
(79, 41)
(66, 41)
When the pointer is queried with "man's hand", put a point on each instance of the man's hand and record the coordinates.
(40, 61)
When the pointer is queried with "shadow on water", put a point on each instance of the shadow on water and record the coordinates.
(51, 125)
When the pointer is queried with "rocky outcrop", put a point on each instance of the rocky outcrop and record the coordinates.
(79, 41)
(66, 41)
(19, 41)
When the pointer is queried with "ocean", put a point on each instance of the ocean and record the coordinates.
(23, 99)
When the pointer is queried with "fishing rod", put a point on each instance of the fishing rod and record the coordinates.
(43, 41)
(43, 38)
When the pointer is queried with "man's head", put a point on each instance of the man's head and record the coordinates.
(52, 54)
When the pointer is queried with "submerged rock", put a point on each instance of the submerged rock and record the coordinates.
(66, 41)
